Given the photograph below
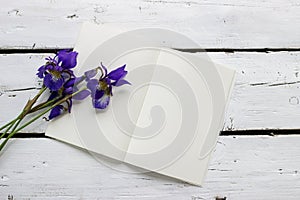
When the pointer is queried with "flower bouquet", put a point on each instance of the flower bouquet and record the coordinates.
(61, 87)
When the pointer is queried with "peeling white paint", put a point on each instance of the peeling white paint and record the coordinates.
(242, 167)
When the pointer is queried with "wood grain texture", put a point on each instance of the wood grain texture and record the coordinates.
(213, 24)
(266, 93)
(243, 167)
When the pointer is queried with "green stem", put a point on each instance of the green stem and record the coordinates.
(9, 123)
(43, 105)
(13, 130)
(31, 102)
(38, 116)
(6, 131)
(24, 112)
(15, 125)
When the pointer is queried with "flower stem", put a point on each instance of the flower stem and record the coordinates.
(14, 131)
(24, 112)
(43, 105)
(31, 102)
(6, 125)
(9, 127)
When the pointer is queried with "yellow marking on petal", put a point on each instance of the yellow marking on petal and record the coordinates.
(56, 74)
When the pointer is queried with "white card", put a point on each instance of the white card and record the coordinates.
(168, 120)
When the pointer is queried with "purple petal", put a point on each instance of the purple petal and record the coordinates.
(121, 82)
(90, 73)
(117, 74)
(73, 81)
(69, 83)
(41, 71)
(68, 90)
(57, 68)
(65, 74)
(56, 111)
(92, 84)
(101, 103)
(81, 95)
(53, 83)
(97, 94)
(106, 80)
(67, 58)
(105, 70)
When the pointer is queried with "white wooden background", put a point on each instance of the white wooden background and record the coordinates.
(263, 38)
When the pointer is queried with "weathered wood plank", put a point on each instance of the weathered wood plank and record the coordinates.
(265, 96)
(17, 84)
(266, 92)
(213, 24)
(242, 167)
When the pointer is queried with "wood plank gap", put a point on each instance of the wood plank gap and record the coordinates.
(28, 135)
(30, 51)
(254, 132)
(226, 50)
(269, 132)
(233, 50)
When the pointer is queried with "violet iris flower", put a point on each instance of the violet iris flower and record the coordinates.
(101, 89)
(58, 70)
(59, 78)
